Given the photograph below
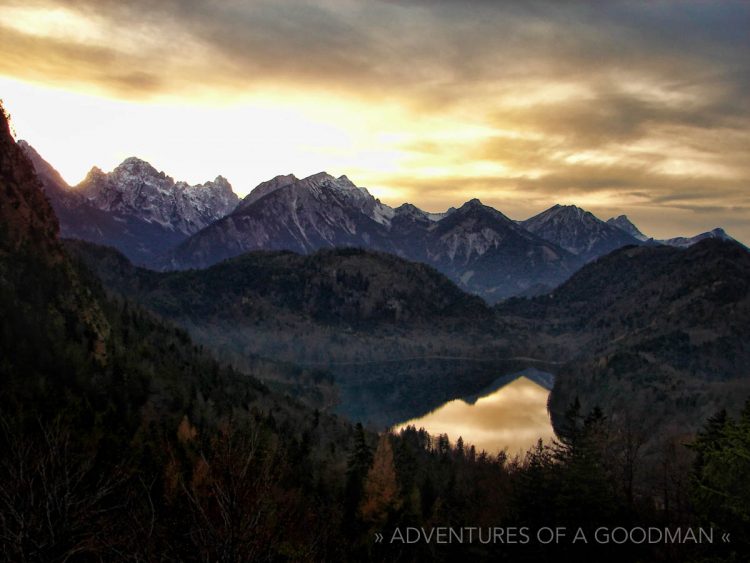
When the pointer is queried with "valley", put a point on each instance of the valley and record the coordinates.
(397, 339)
(369, 327)
(374, 281)
(175, 386)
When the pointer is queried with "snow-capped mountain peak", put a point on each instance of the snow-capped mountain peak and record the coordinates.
(578, 231)
(136, 189)
(342, 193)
(684, 242)
(476, 245)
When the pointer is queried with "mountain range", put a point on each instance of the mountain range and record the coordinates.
(579, 231)
(476, 246)
(135, 208)
(121, 439)
(166, 225)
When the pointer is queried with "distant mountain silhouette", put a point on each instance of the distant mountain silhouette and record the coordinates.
(162, 224)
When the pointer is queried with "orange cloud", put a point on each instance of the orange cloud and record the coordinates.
(621, 106)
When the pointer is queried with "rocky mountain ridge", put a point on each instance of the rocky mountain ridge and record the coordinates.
(578, 231)
(136, 188)
(476, 246)
(163, 224)
(134, 208)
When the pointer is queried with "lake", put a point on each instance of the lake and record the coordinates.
(511, 414)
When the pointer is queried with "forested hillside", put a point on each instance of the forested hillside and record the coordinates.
(120, 440)
(658, 334)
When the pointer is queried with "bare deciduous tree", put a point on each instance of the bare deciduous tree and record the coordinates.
(54, 504)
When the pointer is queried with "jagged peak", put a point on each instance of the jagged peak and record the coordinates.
(133, 164)
(222, 182)
(474, 207)
(571, 209)
(621, 220)
(277, 181)
(134, 161)
(473, 203)
(342, 183)
(407, 207)
(266, 187)
(321, 178)
(280, 178)
(624, 223)
(95, 172)
(564, 212)
(318, 177)
(410, 210)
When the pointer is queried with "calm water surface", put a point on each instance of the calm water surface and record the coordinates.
(511, 415)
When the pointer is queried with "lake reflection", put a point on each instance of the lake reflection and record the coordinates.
(512, 417)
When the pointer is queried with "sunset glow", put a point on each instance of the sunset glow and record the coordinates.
(427, 103)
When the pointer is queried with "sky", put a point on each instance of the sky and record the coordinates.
(636, 107)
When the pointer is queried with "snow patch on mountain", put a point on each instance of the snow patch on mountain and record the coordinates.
(137, 189)
(578, 231)
(684, 242)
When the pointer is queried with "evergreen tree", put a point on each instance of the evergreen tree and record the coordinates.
(720, 487)
(585, 496)
(358, 465)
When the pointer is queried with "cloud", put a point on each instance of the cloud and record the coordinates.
(436, 49)
(642, 101)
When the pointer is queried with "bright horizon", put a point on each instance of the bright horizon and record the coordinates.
(631, 108)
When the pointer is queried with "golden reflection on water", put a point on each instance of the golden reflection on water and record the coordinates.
(513, 418)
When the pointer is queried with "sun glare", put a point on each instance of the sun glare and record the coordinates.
(247, 139)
